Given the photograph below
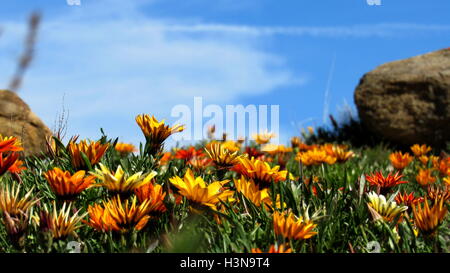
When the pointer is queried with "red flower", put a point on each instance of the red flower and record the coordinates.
(385, 183)
(189, 153)
(8, 163)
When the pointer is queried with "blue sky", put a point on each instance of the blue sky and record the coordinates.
(110, 60)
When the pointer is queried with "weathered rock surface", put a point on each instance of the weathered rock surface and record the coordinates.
(408, 101)
(17, 119)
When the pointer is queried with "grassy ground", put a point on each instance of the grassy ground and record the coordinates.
(333, 196)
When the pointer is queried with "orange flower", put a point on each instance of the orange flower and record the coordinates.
(420, 150)
(407, 199)
(263, 138)
(291, 227)
(385, 183)
(9, 144)
(117, 216)
(260, 172)
(425, 177)
(165, 158)
(9, 163)
(437, 193)
(189, 153)
(199, 163)
(444, 166)
(315, 157)
(125, 148)
(428, 220)
(400, 160)
(93, 151)
(339, 152)
(17, 167)
(275, 249)
(67, 186)
(155, 194)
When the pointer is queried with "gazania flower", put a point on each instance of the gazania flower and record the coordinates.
(67, 186)
(17, 167)
(188, 154)
(93, 151)
(400, 160)
(407, 199)
(263, 138)
(12, 203)
(253, 152)
(125, 148)
(275, 149)
(420, 150)
(438, 193)
(444, 166)
(60, 223)
(117, 216)
(291, 227)
(275, 249)
(7, 163)
(260, 172)
(250, 190)
(156, 132)
(385, 183)
(427, 219)
(120, 182)
(339, 152)
(380, 208)
(199, 193)
(165, 158)
(155, 194)
(199, 163)
(222, 157)
(315, 157)
(9, 144)
(425, 177)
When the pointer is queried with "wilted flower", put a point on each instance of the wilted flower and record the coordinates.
(260, 172)
(385, 183)
(67, 186)
(400, 160)
(380, 208)
(428, 220)
(114, 215)
(120, 182)
(93, 150)
(420, 150)
(438, 193)
(199, 193)
(291, 227)
(12, 203)
(425, 177)
(16, 227)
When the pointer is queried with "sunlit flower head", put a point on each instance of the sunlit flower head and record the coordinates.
(166, 157)
(155, 194)
(156, 132)
(199, 163)
(94, 150)
(59, 222)
(199, 193)
(407, 199)
(427, 219)
(263, 138)
(315, 157)
(400, 160)
(275, 149)
(260, 172)
(67, 186)
(420, 150)
(13, 202)
(425, 177)
(125, 148)
(284, 248)
(380, 208)
(10, 144)
(340, 152)
(120, 182)
(385, 183)
(221, 156)
(291, 227)
(251, 191)
(9, 163)
(188, 154)
(444, 166)
(118, 216)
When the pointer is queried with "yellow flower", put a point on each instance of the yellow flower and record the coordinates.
(339, 152)
(221, 156)
(250, 190)
(428, 220)
(155, 194)
(93, 151)
(199, 193)
(67, 186)
(60, 223)
(425, 177)
(119, 182)
(400, 160)
(260, 172)
(156, 132)
(380, 208)
(275, 149)
(291, 227)
(420, 150)
(10, 144)
(11, 202)
(315, 157)
(263, 138)
(447, 181)
(125, 148)
(114, 215)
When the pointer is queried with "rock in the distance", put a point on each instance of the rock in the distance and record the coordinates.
(408, 101)
(17, 119)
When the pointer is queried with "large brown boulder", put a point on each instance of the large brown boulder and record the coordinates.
(17, 119)
(408, 101)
